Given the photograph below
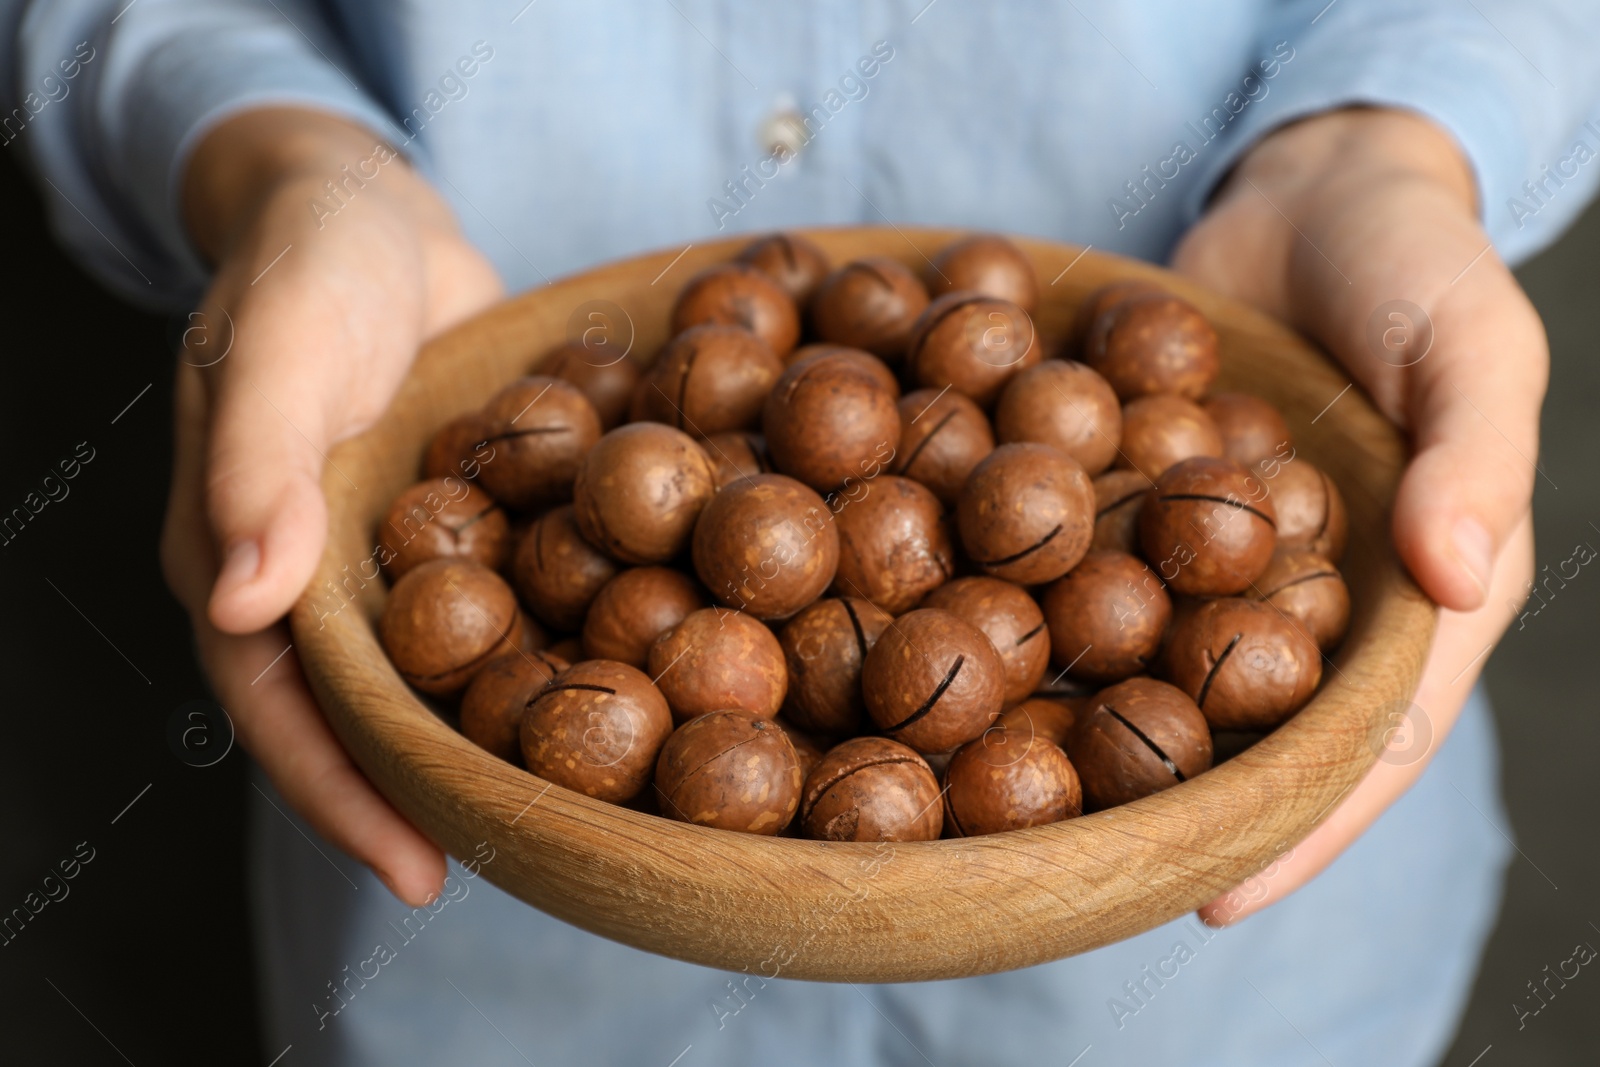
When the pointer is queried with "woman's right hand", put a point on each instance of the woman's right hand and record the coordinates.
(311, 322)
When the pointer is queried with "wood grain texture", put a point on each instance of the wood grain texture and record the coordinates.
(853, 912)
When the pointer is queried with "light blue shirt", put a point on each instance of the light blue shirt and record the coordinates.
(586, 132)
(565, 134)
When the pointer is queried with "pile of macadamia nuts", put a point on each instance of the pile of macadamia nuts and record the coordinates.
(926, 574)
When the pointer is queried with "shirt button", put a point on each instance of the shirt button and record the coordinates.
(783, 132)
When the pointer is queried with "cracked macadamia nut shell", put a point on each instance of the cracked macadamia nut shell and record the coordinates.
(1247, 665)
(972, 344)
(1009, 780)
(1136, 738)
(830, 421)
(439, 518)
(1097, 303)
(871, 789)
(1026, 513)
(1308, 589)
(1064, 404)
(732, 771)
(710, 379)
(1118, 497)
(1309, 507)
(1161, 431)
(1208, 527)
(943, 435)
(1106, 617)
(737, 294)
(933, 681)
(766, 545)
(596, 728)
(871, 304)
(794, 262)
(540, 428)
(640, 490)
(1251, 428)
(718, 659)
(601, 371)
(1009, 618)
(985, 263)
(825, 646)
(736, 455)
(894, 543)
(445, 619)
(636, 607)
(558, 573)
(1154, 343)
(494, 704)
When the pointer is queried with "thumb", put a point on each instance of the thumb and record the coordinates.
(1473, 406)
(264, 497)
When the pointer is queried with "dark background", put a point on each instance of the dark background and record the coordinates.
(148, 960)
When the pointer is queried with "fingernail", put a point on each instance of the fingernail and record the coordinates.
(388, 882)
(1475, 550)
(240, 567)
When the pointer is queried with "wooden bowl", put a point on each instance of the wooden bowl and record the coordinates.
(860, 912)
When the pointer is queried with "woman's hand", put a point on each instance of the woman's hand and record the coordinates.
(316, 311)
(1323, 223)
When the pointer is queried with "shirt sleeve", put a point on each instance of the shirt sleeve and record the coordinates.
(1514, 81)
(105, 99)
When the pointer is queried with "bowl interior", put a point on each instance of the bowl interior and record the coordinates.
(856, 912)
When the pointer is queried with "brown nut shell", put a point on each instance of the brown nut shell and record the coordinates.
(1309, 507)
(796, 263)
(730, 770)
(494, 704)
(635, 608)
(1251, 428)
(1009, 780)
(1066, 405)
(1010, 619)
(439, 518)
(596, 728)
(1026, 513)
(972, 344)
(1118, 497)
(601, 372)
(445, 619)
(985, 263)
(871, 789)
(894, 543)
(824, 647)
(458, 448)
(869, 304)
(717, 659)
(1106, 617)
(1208, 528)
(830, 420)
(1052, 718)
(710, 379)
(1137, 738)
(766, 545)
(1154, 343)
(933, 681)
(736, 455)
(1161, 431)
(943, 435)
(556, 572)
(640, 490)
(737, 294)
(1096, 304)
(1245, 664)
(540, 428)
(1308, 589)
